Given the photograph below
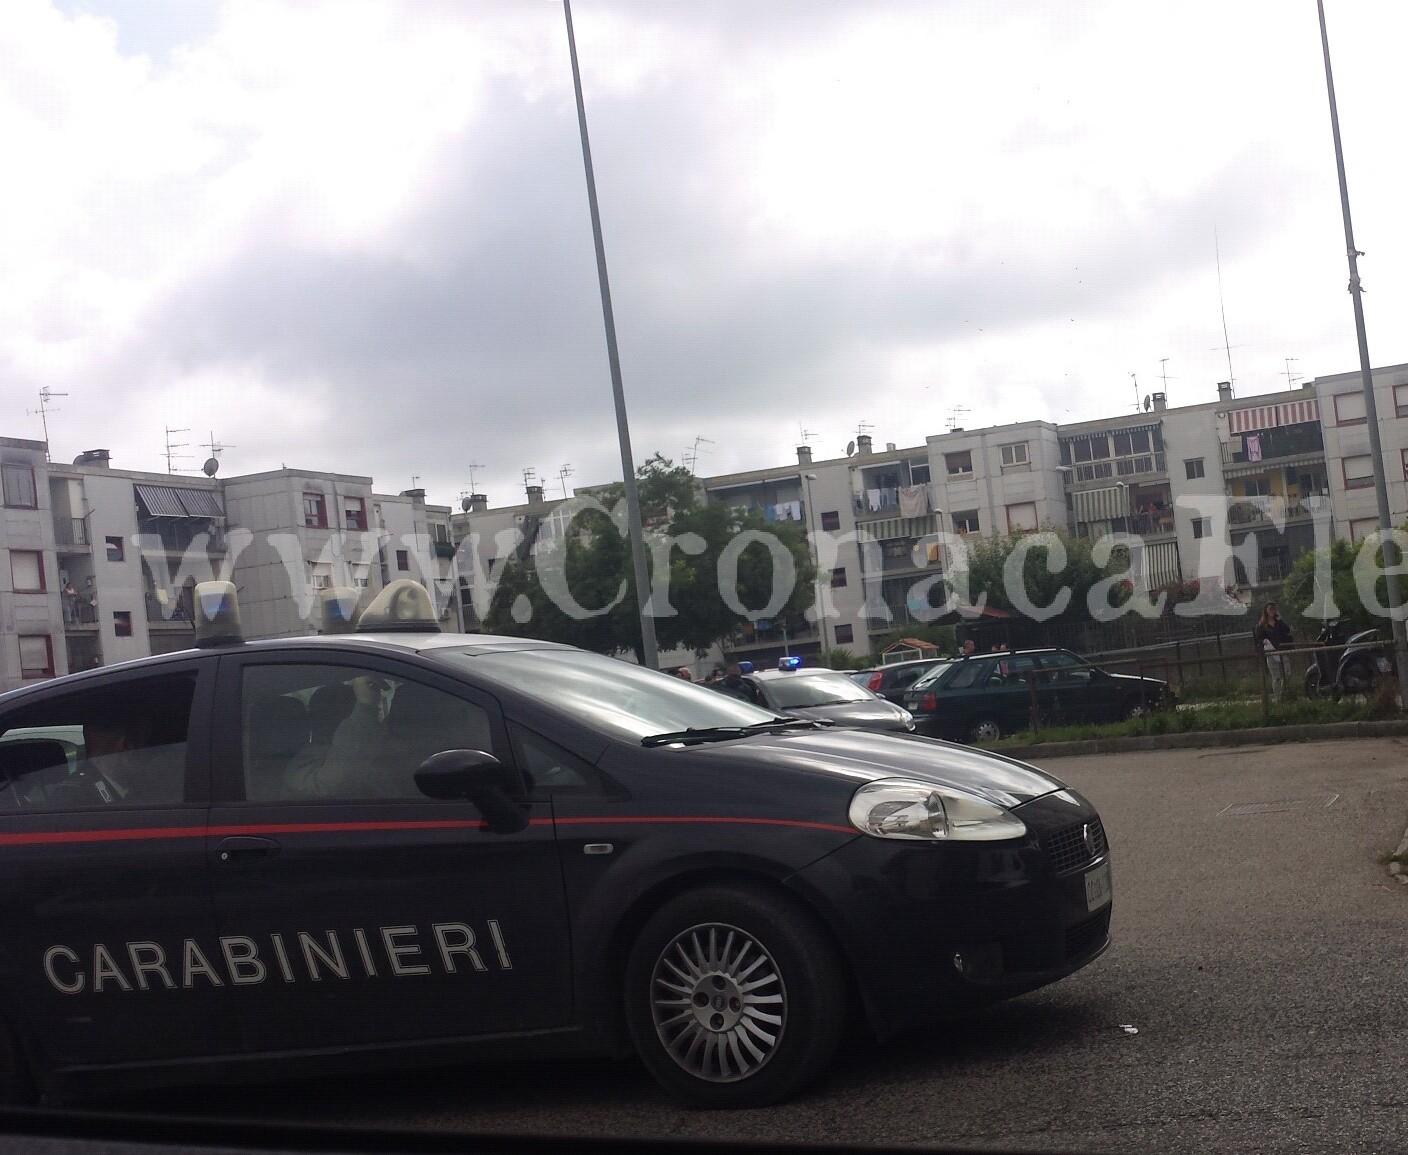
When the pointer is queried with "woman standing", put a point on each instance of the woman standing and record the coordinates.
(1274, 636)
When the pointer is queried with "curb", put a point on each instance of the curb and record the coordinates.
(1259, 736)
(1396, 869)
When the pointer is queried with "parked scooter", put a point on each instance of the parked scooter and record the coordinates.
(1353, 666)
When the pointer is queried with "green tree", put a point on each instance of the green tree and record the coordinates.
(988, 565)
(1299, 595)
(594, 563)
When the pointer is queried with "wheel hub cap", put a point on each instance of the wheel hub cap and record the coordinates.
(718, 1002)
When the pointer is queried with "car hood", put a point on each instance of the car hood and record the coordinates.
(874, 715)
(866, 756)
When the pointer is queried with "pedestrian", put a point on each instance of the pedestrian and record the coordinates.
(1274, 637)
(968, 648)
(683, 672)
(70, 598)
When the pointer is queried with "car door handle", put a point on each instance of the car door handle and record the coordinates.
(242, 848)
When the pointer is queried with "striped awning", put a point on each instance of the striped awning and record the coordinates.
(169, 501)
(200, 503)
(161, 500)
(1161, 566)
(1107, 504)
(1270, 416)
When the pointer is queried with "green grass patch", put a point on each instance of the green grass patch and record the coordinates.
(1218, 716)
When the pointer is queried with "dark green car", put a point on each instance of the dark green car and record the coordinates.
(982, 698)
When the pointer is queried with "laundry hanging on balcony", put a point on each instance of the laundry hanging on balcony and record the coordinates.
(914, 500)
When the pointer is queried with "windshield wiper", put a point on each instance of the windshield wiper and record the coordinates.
(724, 733)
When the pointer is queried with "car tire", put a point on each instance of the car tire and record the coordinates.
(985, 730)
(705, 982)
(1312, 682)
(1134, 708)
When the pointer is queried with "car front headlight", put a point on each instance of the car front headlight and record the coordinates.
(904, 808)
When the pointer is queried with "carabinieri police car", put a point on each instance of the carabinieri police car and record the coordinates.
(399, 846)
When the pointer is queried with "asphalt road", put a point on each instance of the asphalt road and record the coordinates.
(1259, 952)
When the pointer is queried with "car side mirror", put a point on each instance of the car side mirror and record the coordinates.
(477, 777)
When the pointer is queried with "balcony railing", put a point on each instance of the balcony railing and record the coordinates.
(1267, 510)
(79, 611)
(171, 612)
(1119, 467)
(71, 532)
(885, 502)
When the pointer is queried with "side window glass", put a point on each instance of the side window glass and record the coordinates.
(968, 674)
(321, 732)
(120, 746)
(550, 767)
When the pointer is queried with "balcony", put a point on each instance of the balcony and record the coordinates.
(71, 534)
(443, 549)
(886, 502)
(173, 535)
(1267, 510)
(80, 614)
(165, 613)
(1134, 466)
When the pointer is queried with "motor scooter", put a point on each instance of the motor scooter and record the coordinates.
(1351, 665)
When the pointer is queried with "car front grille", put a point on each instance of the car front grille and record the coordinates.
(1067, 848)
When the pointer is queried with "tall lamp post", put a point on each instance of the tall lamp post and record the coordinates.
(623, 432)
(1371, 412)
(807, 479)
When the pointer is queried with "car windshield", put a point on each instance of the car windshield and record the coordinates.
(815, 690)
(625, 699)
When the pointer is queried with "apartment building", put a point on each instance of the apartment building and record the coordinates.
(1345, 424)
(31, 614)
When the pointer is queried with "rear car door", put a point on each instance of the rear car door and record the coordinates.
(106, 904)
(367, 913)
(1077, 689)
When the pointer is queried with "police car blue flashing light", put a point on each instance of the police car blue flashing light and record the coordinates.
(340, 609)
(745, 667)
(217, 613)
(403, 606)
(792, 663)
(303, 855)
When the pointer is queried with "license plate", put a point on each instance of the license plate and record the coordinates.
(1097, 887)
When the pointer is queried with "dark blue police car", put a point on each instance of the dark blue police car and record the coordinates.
(400, 846)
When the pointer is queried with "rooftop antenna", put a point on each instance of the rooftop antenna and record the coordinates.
(212, 463)
(691, 455)
(955, 416)
(1292, 378)
(472, 466)
(1222, 305)
(172, 446)
(863, 428)
(804, 434)
(562, 475)
(530, 475)
(45, 396)
(1133, 377)
(1163, 372)
(415, 481)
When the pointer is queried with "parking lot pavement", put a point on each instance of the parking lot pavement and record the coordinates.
(1258, 956)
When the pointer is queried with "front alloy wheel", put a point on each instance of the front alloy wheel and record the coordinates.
(734, 997)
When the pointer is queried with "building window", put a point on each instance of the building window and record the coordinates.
(919, 475)
(845, 634)
(354, 511)
(441, 532)
(1404, 453)
(116, 548)
(36, 656)
(1015, 454)
(1362, 527)
(1201, 527)
(838, 578)
(1256, 487)
(19, 486)
(1193, 467)
(831, 520)
(122, 623)
(1358, 472)
(958, 463)
(965, 521)
(27, 571)
(315, 511)
(1349, 409)
(403, 560)
(1400, 400)
(1021, 517)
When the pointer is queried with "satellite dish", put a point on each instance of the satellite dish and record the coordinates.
(850, 448)
(464, 504)
(211, 467)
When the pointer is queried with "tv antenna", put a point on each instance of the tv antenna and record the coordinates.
(691, 456)
(530, 477)
(1292, 378)
(1163, 372)
(956, 415)
(172, 446)
(472, 466)
(863, 427)
(212, 463)
(562, 475)
(45, 396)
(804, 434)
(1222, 305)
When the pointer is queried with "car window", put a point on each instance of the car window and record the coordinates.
(932, 674)
(967, 674)
(623, 698)
(1066, 667)
(1007, 671)
(551, 768)
(333, 732)
(121, 745)
(804, 690)
(1063, 658)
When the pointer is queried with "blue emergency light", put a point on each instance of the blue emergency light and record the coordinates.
(745, 667)
(792, 663)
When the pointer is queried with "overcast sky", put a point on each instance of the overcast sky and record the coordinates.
(355, 236)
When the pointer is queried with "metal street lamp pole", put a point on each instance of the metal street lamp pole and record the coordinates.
(1390, 547)
(623, 432)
